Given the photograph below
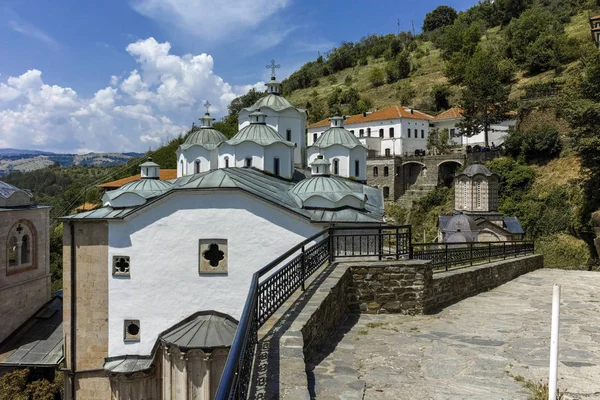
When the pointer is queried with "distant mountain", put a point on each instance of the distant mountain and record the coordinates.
(15, 160)
(16, 152)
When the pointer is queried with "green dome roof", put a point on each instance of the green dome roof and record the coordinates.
(207, 137)
(261, 134)
(145, 188)
(330, 188)
(339, 136)
(273, 101)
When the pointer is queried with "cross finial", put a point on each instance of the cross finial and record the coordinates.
(207, 105)
(272, 67)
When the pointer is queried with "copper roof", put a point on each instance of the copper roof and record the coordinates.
(392, 112)
(453, 113)
(456, 113)
(165, 175)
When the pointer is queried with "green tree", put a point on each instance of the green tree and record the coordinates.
(441, 16)
(484, 98)
(438, 141)
(405, 92)
(440, 95)
(376, 77)
(399, 68)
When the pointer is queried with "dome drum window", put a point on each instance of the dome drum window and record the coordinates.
(212, 257)
(121, 266)
(131, 330)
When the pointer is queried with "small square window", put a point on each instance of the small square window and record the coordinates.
(121, 266)
(212, 256)
(131, 330)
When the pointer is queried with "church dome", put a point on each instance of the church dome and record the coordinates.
(339, 136)
(327, 192)
(476, 169)
(461, 223)
(136, 193)
(258, 132)
(273, 101)
(207, 137)
(457, 237)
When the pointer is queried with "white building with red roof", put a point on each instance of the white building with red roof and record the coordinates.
(390, 131)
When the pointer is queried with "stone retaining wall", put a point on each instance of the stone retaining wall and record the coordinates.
(391, 286)
(410, 287)
(450, 287)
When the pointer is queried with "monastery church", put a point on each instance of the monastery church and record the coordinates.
(156, 279)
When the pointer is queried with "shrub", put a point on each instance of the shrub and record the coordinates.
(563, 251)
(396, 213)
(376, 77)
(348, 80)
(405, 92)
(441, 16)
(440, 95)
(399, 68)
(538, 143)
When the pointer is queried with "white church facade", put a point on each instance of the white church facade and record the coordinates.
(159, 275)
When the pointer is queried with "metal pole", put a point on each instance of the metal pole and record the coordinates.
(302, 267)
(490, 251)
(554, 343)
(397, 244)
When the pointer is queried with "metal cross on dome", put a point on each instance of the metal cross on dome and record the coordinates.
(207, 105)
(272, 67)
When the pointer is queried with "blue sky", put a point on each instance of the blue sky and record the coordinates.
(126, 75)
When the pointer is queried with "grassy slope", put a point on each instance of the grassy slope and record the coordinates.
(429, 72)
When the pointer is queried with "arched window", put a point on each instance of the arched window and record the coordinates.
(381, 132)
(20, 247)
(361, 132)
(369, 132)
(197, 167)
(181, 164)
(375, 171)
(226, 162)
(276, 166)
(25, 250)
(11, 251)
(356, 168)
(248, 162)
(386, 171)
(391, 132)
(336, 166)
(315, 137)
(386, 192)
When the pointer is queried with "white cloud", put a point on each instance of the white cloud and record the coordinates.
(33, 32)
(209, 19)
(155, 102)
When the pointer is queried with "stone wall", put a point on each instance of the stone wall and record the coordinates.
(91, 308)
(447, 288)
(410, 287)
(391, 286)
(23, 291)
(393, 180)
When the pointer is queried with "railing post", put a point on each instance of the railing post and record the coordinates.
(397, 244)
(504, 250)
(489, 251)
(471, 253)
(410, 248)
(380, 244)
(446, 256)
(303, 267)
(330, 238)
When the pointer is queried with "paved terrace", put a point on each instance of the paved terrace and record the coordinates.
(471, 350)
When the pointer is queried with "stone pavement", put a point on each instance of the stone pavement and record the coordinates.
(478, 348)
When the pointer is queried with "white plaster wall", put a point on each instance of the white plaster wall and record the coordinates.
(336, 151)
(226, 151)
(282, 121)
(360, 154)
(497, 132)
(181, 164)
(249, 150)
(165, 285)
(286, 162)
(197, 153)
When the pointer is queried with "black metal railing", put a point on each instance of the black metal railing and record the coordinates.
(447, 255)
(271, 287)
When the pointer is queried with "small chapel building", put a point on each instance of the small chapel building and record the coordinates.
(156, 279)
(476, 217)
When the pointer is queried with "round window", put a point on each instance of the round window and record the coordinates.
(133, 329)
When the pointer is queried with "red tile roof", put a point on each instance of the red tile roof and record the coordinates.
(453, 113)
(595, 18)
(86, 207)
(392, 112)
(165, 174)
